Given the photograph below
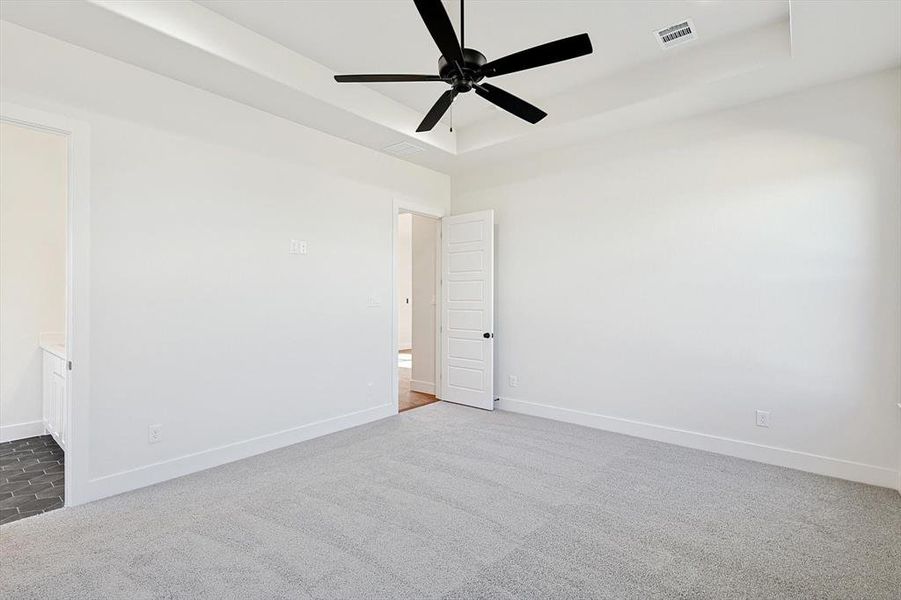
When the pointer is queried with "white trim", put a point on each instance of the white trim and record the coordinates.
(19, 431)
(783, 457)
(439, 326)
(411, 206)
(899, 455)
(425, 387)
(124, 481)
(78, 285)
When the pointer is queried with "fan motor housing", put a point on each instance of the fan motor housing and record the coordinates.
(473, 60)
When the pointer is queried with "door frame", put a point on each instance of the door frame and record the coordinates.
(405, 205)
(78, 246)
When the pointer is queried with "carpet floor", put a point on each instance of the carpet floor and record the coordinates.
(448, 502)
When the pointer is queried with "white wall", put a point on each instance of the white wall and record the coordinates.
(425, 232)
(32, 268)
(669, 282)
(201, 320)
(680, 277)
(405, 281)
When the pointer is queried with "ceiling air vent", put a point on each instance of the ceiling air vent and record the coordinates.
(676, 35)
(403, 149)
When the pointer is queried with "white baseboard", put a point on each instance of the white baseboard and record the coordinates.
(20, 431)
(426, 387)
(793, 459)
(124, 481)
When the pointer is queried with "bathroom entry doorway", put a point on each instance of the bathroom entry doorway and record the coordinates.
(33, 241)
(44, 311)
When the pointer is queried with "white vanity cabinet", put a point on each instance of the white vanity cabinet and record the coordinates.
(55, 398)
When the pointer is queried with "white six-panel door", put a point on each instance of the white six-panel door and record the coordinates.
(467, 309)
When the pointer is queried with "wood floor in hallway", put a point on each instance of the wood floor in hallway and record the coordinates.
(407, 398)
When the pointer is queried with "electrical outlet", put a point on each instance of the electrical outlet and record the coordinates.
(763, 418)
(154, 433)
(513, 380)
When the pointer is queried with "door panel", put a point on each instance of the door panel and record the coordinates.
(467, 349)
(467, 309)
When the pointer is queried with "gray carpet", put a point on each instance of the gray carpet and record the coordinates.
(450, 502)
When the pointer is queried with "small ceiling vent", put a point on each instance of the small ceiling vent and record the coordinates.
(403, 149)
(676, 35)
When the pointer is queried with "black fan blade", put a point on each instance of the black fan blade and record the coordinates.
(439, 25)
(545, 54)
(510, 103)
(380, 78)
(437, 111)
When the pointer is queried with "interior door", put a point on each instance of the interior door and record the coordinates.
(467, 309)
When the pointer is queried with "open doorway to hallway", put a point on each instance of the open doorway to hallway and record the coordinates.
(417, 244)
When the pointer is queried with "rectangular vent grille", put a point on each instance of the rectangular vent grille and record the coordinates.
(676, 35)
(403, 149)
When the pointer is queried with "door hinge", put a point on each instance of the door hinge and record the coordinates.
(70, 365)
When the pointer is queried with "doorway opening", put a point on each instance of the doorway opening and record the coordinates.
(34, 413)
(417, 302)
(48, 350)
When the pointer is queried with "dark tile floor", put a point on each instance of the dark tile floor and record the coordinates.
(31, 478)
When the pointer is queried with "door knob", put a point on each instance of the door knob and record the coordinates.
(487, 335)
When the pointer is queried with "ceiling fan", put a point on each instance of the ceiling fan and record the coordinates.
(464, 68)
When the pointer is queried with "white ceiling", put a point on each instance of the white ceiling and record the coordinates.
(281, 57)
(366, 36)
